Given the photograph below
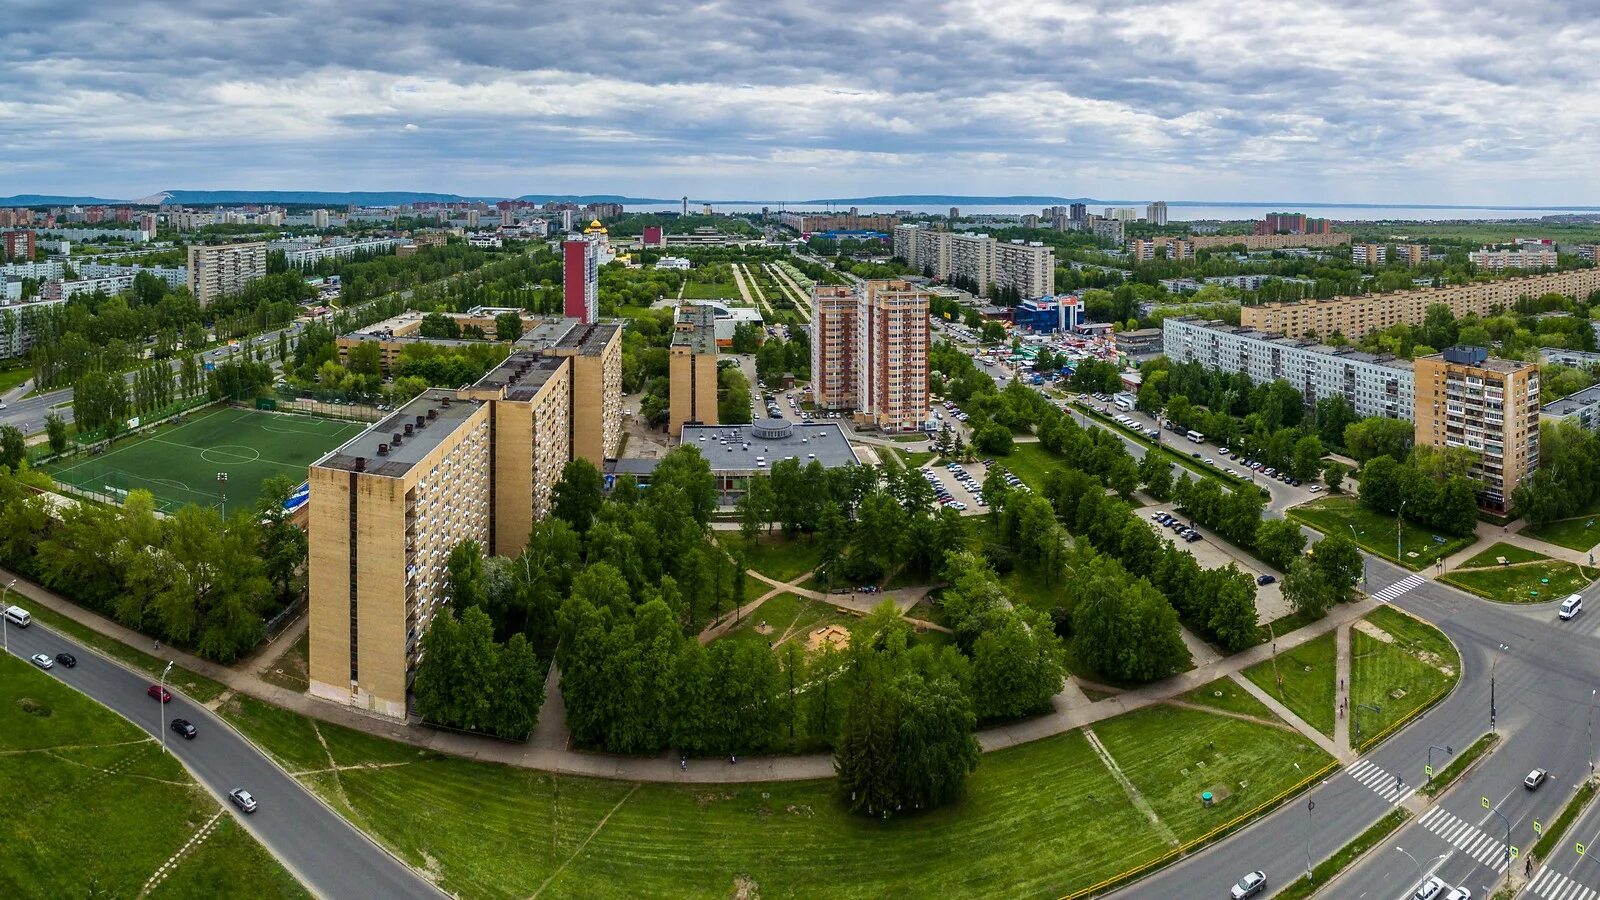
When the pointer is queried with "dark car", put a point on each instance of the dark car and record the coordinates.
(67, 659)
(1266, 579)
(184, 727)
(157, 692)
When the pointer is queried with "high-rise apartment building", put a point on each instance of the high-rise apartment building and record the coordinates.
(216, 270)
(1370, 255)
(581, 279)
(1488, 406)
(320, 218)
(692, 369)
(1107, 229)
(834, 311)
(977, 260)
(1496, 260)
(1028, 268)
(809, 223)
(869, 352)
(386, 509)
(1077, 212)
(1123, 214)
(478, 463)
(1156, 213)
(18, 245)
(147, 222)
(1292, 223)
(1412, 255)
(1356, 316)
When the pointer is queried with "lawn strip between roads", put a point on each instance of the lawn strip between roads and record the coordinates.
(1458, 766)
(1328, 869)
(1569, 814)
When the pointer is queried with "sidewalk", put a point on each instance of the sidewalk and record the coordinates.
(548, 750)
(1489, 535)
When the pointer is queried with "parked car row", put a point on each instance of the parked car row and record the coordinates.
(944, 497)
(1168, 520)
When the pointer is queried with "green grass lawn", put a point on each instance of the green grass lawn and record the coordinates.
(11, 378)
(1309, 675)
(290, 669)
(1511, 552)
(179, 463)
(1375, 532)
(94, 808)
(1026, 586)
(1580, 534)
(1226, 694)
(1032, 463)
(712, 290)
(788, 618)
(1419, 661)
(774, 555)
(1532, 583)
(1041, 819)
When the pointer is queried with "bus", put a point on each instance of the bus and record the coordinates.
(1196, 436)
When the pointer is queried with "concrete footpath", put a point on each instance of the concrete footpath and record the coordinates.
(548, 750)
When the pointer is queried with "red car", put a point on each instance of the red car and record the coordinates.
(157, 692)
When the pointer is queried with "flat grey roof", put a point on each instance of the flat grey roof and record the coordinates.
(734, 449)
(522, 373)
(588, 340)
(1571, 403)
(448, 413)
(545, 334)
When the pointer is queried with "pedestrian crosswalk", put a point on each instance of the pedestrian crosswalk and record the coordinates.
(1398, 588)
(1467, 838)
(1552, 885)
(1374, 778)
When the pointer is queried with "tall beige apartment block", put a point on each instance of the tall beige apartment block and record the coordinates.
(530, 396)
(219, 269)
(834, 311)
(692, 369)
(387, 507)
(595, 351)
(1355, 316)
(1488, 406)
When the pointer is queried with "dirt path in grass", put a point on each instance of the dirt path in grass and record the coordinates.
(1134, 797)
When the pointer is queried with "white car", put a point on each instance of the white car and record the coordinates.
(42, 661)
(1459, 893)
(1249, 886)
(242, 799)
(1430, 889)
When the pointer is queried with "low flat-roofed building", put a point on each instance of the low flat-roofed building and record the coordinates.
(1581, 408)
(737, 453)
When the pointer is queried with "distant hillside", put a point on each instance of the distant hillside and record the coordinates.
(54, 200)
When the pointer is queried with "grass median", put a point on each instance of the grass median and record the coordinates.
(94, 808)
(1458, 765)
(1534, 582)
(1569, 813)
(1044, 818)
(1330, 868)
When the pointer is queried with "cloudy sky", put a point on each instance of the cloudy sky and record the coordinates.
(1427, 101)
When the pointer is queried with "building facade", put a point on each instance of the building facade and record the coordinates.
(1488, 406)
(692, 369)
(219, 269)
(980, 260)
(869, 352)
(1497, 260)
(834, 310)
(1369, 255)
(1156, 213)
(581, 279)
(18, 246)
(1356, 316)
(1374, 385)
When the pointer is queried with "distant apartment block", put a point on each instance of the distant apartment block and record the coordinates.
(1495, 260)
(18, 246)
(692, 369)
(581, 279)
(1291, 223)
(811, 223)
(1581, 409)
(171, 276)
(1123, 214)
(1369, 255)
(216, 270)
(1107, 229)
(1026, 267)
(869, 352)
(302, 255)
(1356, 316)
(1412, 255)
(1373, 384)
(1156, 213)
(1487, 406)
(1560, 356)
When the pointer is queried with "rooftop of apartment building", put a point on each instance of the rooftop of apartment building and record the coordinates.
(430, 417)
(1479, 358)
(546, 333)
(696, 329)
(1572, 403)
(1348, 353)
(587, 340)
(522, 374)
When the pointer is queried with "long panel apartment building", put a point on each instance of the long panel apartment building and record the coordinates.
(219, 269)
(477, 463)
(1373, 384)
(1356, 316)
(869, 352)
(1026, 267)
(1488, 406)
(692, 369)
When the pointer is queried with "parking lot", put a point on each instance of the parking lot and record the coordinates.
(960, 486)
(1212, 552)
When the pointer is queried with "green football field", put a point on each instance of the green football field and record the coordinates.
(179, 463)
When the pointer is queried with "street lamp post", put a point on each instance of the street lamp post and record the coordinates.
(1399, 523)
(1357, 538)
(1592, 692)
(1420, 874)
(1356, 719)
(1492, 669)
(5, 633)
(161, 702)
(1310, 805)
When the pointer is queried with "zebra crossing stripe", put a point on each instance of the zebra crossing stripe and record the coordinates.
(1398, 588)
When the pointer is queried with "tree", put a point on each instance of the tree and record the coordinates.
(1380, 484)
(1017, 666)
(56, 428)
(993, 438)
(733, 399)
(1308, 589)
(1334, 415)
(1339, 560)
(866, 757)
(282, 544)
(1333, 473)
(1156, 473)
(507, 326)
(468, 585)
(1233, 609)
(1306, 459)
(13, 447)
(578, 495)
(1279, 542)
(1377, 436)
(935, 748)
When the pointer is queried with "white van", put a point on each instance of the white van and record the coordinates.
(1569, 607)
(18, 616)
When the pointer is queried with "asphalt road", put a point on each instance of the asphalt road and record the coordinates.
(325, 852)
